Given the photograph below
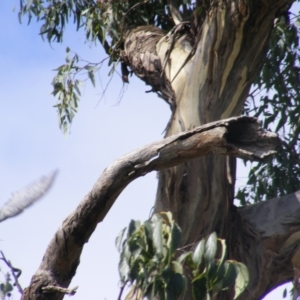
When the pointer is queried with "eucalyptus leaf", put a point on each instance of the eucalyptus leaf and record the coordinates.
(176, 285)
(92, 77)
(157, 234)
(124, 269)
(242, 279)
(284, 294)
(181, 259)
(199, 290)
(133, 226)
(230, 275)
(175, 239)
(211, 247)
(198, 253)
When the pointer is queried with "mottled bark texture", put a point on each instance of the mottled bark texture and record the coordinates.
(140, 54)
(210, 68)
(241, 137)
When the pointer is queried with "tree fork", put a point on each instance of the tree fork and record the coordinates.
(214, 84)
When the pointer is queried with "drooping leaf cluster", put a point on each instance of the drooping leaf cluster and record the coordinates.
(67, 85)
(276, 100)
(103, 21)
(152, 262)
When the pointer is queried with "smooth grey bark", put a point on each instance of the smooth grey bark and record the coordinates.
(241, 137)
(275, 232)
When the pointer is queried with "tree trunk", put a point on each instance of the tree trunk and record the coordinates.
(228, 50)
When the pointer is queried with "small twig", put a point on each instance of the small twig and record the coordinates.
(14, 271)
(186, 246)
(122, 290)
(55, 289)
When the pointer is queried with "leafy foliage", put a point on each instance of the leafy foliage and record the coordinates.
(104, 21)
(151, 261)
(279, 106)
(6, 287)
(66, 85)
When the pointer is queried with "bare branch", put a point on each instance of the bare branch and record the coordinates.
(240, 136)
(15, 272)
(53, 289)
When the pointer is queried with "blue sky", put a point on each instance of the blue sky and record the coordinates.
(31, 144)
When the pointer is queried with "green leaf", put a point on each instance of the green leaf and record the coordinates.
(198, 253)
(92, 77)
(176, 285)
(133, 226)
(168, 215)
(124, 269)
(199, 290)
(284, 294)
(148, 229)
(221, 268)
(175, 237)
(177, 267)
(166, 273)
(181, 259)
(211, 274)
(157, 234)
(211, 247)
(223, 250)
(242, 278)
(230, 275)
(119, 238)
(134, 270)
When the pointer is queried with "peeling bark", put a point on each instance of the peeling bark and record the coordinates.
(140, 54)
(210, 69)
(223, 137)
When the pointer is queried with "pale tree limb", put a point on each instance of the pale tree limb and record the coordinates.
(53, 289)
(241, 137)
(275, 227)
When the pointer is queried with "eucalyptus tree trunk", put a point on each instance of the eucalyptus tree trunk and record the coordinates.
(205, 72)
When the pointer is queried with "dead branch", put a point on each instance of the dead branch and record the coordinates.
(240, 136)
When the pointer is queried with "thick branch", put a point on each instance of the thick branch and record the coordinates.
(240, 136)
(276, 225)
